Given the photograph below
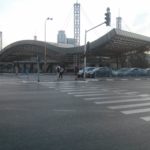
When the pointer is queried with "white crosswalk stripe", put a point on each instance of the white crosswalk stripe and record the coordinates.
(129, 106)
(79, 90)
(147, 118)
(116, 97)
(123, 100)
(89, 95)
(124, 79)
(130, 93)
(84, 92)
(135, 111)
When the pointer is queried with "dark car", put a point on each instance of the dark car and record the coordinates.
(100, 72)
(147, 70)
(81, 71)
(120, 72)
(135, 72)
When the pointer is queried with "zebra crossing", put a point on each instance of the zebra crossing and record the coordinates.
(120, 100)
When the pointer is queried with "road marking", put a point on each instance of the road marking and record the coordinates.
(66, 88)
(52, 87)
(119, 90)
(131, 93)
(107, 79)
(135, 111)
(123, 101)
(92, 94)
(128, 106)
(92, 79)
(78, 90)
(124, 79)
(146, 118)
(64, 82)
(108, 97)
(88, 92)
(84, 92)
(64, 110)
(137, 79)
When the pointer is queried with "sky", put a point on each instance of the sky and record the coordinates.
(23, 19)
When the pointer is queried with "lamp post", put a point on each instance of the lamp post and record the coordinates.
(45, 60)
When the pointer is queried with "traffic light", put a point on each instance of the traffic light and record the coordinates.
(107, 17)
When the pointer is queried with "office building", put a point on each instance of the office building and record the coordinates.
(61, 37)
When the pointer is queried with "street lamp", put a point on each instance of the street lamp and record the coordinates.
(45, 60)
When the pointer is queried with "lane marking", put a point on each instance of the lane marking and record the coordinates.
(128, 106)
(135, 111)
(123, 101)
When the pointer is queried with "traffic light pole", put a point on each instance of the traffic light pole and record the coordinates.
(85, 47)
(107, 22)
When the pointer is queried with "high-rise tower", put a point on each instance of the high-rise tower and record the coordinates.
(61, 37)
(77, 23)
(118, 22)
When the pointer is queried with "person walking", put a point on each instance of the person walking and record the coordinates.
(16, 70)
(61, 73)
(57, 71)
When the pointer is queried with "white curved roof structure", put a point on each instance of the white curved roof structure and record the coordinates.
(114, 43)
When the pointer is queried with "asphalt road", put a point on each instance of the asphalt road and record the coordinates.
(104, 114)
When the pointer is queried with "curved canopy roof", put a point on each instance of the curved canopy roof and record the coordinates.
(30, 49)
(117, 42)
(114, 43)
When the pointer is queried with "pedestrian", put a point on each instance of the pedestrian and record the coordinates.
(16, 70)
(61, 73)
(57, 71)
(76, 72)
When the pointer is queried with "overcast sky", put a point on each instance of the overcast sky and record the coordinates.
(22, 19)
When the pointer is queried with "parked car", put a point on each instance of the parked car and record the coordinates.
(120, 72)
(147, 70)
(81, 71)
(100, 72)
(134, 72)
